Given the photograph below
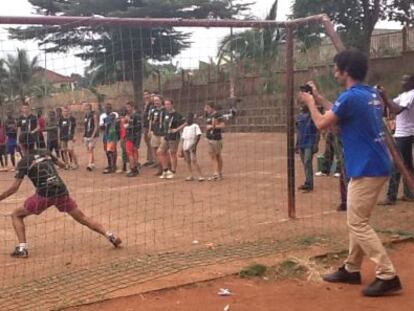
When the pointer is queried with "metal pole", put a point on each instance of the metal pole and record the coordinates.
(76, 21)
(330, 31)
(290, 122)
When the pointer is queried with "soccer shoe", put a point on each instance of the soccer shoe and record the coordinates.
(163, 175)
(201, 179)
(337, 175)
(148, 163)
(214, 178)
(108, 171)
(407, 199)
(386, 202)
(90, 167)
(74, 167)
(133, 173)
(189, 178)
(343, 276)
(303, 187)
(320, 174)
(169, 175)
(382, 287)
(341, 207)
(20, 252)
(114, 240)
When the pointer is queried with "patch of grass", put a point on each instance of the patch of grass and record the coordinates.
(292, 269)
(256, 270)
(310, 240)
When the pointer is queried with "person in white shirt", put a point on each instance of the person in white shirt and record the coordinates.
(190, 138)
(403, 107)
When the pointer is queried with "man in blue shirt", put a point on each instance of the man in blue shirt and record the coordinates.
(358, 112)
(307, 143)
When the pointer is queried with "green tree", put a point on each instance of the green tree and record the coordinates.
(4, 82)
(120, 53)
(355, 19)
(21, 70)
(252, 44)
(401, 11)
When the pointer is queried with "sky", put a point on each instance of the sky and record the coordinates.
(204, 41)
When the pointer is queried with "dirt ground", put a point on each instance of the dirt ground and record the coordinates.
(268, 295)
(153, 215)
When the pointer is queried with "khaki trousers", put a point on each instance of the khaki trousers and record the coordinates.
(362, 198)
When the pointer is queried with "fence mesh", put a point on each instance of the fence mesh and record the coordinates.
(241, 70)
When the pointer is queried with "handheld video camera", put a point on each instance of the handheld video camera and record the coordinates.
(306, 89)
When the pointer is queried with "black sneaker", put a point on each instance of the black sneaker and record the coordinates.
(148, 163)
(114, 240)
(341, 207)
(382, 287)
(305, 188)
(107, 171)
(343, 276)
(133, 173)
(20, 252)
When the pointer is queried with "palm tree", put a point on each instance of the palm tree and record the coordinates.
(21, 71)
(4, 83)
(252, 44)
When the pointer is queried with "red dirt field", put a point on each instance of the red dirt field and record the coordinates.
(153, 216)
(282, 295)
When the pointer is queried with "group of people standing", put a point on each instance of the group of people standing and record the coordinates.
(167, 135)
(401, 109)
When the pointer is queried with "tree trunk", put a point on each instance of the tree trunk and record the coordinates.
(137, 79)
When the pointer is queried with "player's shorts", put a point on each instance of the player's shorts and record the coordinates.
(155, 140)
(111, 146)
(190, 156)
(89, 142)
(171, 145)
(11, 145)
(67, 145)
(37, 204)
(131, 147)
(215, 146)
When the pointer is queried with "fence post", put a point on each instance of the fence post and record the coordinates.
(290, 122)
(404, 34)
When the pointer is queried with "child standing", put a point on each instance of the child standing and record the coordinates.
(3, 149)
(190, 138)
(307, 143)
(112, 138)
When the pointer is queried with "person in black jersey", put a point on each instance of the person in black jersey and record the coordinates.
(215, 125)
(173, 123)
(52, 130)
(156, 117)
(67, 129)
(11, 132)
(27, 122)
(133, 137)
(39, 167)
(148, 104)
(90, 134)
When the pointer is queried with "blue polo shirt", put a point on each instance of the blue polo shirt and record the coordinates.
(360, 113)
(307, 131)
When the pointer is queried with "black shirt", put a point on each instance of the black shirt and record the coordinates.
(214, 134)
(27, 124)
(172, 120)
(67, 128)
(134, 128)
(146, 115)
(90, 125)
(156, 117)
(39, 167)
(52, 130)
(11, 128)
